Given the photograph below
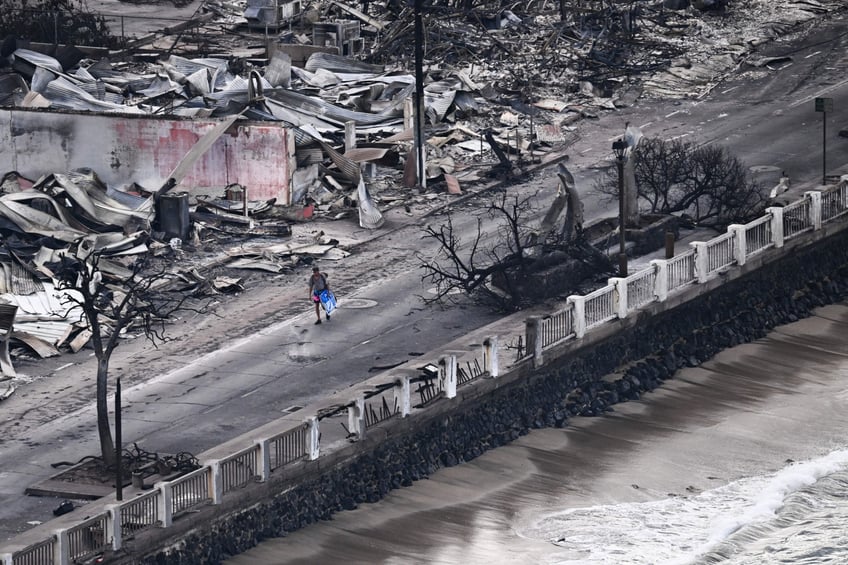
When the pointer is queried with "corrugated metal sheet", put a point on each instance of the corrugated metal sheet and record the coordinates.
(14, 279)
(326, 111)
(64, 94)
(51, 332)
(333, 62)
(39, 60)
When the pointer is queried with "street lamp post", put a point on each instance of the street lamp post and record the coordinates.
(618, 148)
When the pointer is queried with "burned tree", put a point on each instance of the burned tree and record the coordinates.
(705, 183)
(66, 22)
(470, 269)
(110, 305)
(506, 269)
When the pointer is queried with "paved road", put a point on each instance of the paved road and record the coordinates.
(197, 398)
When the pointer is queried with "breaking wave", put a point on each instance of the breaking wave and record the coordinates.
(796, 515)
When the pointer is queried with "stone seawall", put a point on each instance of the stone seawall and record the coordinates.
(587, 381)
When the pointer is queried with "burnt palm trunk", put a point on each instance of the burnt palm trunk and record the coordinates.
(107, 445)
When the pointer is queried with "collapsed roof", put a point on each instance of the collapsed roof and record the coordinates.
(499, 83)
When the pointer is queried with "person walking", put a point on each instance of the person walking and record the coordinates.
(317, 284)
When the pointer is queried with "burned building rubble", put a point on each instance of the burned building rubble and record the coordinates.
(250, 116)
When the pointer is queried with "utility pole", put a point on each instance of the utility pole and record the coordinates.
(824, 105)
(119, 479)
(420, 151)
(619, 146)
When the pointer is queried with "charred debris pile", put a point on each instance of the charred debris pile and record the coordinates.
(505, 83)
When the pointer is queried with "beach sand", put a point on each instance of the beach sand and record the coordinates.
(747, 412)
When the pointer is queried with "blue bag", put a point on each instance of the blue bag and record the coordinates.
(328, 300)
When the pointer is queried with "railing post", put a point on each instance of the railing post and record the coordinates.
(355, 416)
(815, 208)
(447, 373)
(702, 262)
(620, 285)
(264, 456)
(114, 525)
(216, 481)
(531, 336)
(490, 356)
(166, 503)
(402, 396)
(62, 549)
(312, 438)
(661, 279)
(740, 244)
(538, 345)
(6, 558)
(579, 303)
(776, 225)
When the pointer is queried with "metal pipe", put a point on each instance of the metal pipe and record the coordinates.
(119, 480)
(420, 152)
(619, 147)
(622, 237)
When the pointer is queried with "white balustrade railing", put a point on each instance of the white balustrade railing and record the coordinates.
(758, 235)
(641, 288)
(599, 306)
(41, 553)
(288, 446)
(797, 218)
(558, 326)
(680, 270)
(241, 468)
(207, 485)
(140, 513)
(191, 490)
(834, 203)
(721, 253)
(88, 539)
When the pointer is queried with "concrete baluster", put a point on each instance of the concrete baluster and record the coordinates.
(579, 303)
(660, 279)
(702, 261)
(216, 481)
(776, 225)
(815, 208)
(166, 503)
(62, 548)
(531, 328)
(620, 305)
(312, 438)
(490, 356)
(263, 456)
(402, 396)
(447, 373)
(113, 525)
(740, 243)
(533, 331)
(356, 418)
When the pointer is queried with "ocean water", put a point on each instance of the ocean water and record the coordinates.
(741, 461)
(797, 516)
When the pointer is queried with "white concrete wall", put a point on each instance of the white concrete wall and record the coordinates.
(144, 149)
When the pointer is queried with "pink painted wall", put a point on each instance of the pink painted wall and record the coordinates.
(143, 149)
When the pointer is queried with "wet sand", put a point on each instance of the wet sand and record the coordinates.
(746, 412)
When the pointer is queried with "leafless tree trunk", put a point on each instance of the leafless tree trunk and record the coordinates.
(706, 183)
(469, 268)
(499, 269)
(109, 308)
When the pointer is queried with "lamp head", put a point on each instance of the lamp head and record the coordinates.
(619, 146)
